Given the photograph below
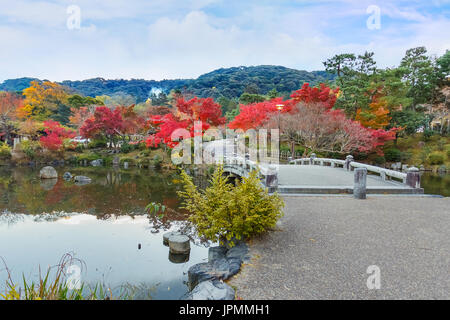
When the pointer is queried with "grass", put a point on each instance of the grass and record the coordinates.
(55, 284)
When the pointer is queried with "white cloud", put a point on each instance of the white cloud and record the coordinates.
(172, 39)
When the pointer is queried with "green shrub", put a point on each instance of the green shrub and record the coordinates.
(299, 150)
(89, 157)
(157, 161)
(30, 148)
(97, 143)
(223, 212)
(441, 144)
(285, 147)
(127, 159)
(405, 156)
(427, 134)
(393, 155)
(436, 157)
(145, 152)
(126, 147)
(5, 151)
(79, 147)
(447, 150)
(379, 160)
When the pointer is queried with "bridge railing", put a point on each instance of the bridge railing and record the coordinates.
(319, 161)
(411, 178)
(242, 167)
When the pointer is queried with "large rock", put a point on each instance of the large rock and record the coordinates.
(215, 253)
(97, 163)
(211, 290)
(239, 251)
(220, 269)
(48, 173)
(67, 176)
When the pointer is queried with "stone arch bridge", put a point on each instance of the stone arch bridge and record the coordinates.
(320, 175)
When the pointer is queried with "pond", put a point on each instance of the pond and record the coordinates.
(436, 183)
(102, 223)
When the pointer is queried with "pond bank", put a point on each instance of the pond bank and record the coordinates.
(324, 245)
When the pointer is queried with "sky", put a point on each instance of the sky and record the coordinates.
(171, 39)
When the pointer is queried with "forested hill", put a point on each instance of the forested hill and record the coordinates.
(228, 82)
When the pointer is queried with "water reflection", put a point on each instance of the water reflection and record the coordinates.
(103, 223)
(108, 247)
(111, 191)
(179, 257)
(436, 183)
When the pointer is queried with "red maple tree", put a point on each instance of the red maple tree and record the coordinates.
(186, 114)
(308, 118)
(105, 122)
(55, 134)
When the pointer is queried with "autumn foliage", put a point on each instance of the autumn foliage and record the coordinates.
(105, 122)
(308, 118)
(186, 113)
(377, 117)
(55, 135)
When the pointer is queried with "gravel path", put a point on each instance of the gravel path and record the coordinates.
(323, 246)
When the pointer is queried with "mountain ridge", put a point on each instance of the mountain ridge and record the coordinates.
(227, 82)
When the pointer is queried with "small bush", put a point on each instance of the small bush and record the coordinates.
(157, 161)
(89, 157)
(285, 148)
(447, 150)
(379, 160)
(5, 151)
(441, 144)
(223, 212)
(427, 134)
(97, 143)
(30, 148)
(436, 157)
(126, 159)
(126, 148)
(393, 155)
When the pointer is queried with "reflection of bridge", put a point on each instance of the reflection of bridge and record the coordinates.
(319, 175)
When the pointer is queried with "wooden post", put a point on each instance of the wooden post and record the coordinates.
(359, 188)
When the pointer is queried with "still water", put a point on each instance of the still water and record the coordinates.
(103, 224)
(436, 183)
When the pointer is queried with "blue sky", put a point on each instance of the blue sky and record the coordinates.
(167, 39)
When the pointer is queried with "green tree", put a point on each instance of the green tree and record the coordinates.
(420, 74)
(77, 101)
(443, 64)
(272, 94)
(248, 98)
(411, 120)
(354, 75)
